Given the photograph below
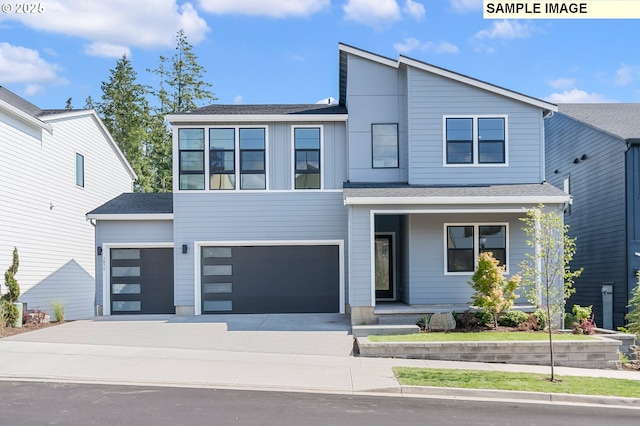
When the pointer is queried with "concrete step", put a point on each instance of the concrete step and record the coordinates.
(369, 330)
(399, 319)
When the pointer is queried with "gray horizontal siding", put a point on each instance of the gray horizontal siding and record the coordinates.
(432, 97)
(597, 217)
(255, 216)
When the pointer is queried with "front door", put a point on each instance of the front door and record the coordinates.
(384, 267)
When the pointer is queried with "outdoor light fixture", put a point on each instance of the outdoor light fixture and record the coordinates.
(184, 249)
(99, 250)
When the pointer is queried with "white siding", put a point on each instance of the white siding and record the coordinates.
(43, 211)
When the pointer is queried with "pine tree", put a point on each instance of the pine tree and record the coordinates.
(125, 112)
(68, 105)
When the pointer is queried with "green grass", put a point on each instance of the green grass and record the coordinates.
(482, 336)
(472, 379)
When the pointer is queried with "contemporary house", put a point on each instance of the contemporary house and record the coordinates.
(593, 152)
(381, 201)
(55, 166)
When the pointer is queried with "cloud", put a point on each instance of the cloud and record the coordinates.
(562, 83)
(271, 8)
(22, 65)
(414, 9)
(506, 30)
(373, 13)
(237, 100)
(411, 44)
(140, 23)
(107, 50)
(328, 101)
(626, 75)
(466, 5)
(577, 96)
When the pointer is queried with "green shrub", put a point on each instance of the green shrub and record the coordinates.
(483, 317)
(513, 318)
(633, 317)
(423, 322)
(10, 312)
(58, 306)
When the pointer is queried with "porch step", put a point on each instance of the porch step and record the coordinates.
(399, 319)
(369, 330)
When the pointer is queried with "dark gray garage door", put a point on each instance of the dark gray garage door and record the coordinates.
(142, 281)
(270, 279)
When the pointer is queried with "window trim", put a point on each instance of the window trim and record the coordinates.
(397, 166)
(80, 185)
(293, 156)
(476, 239)
(475, 143)
(204, 159)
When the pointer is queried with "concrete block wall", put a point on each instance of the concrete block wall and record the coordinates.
(601, 353)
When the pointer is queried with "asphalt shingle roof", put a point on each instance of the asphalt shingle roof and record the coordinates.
(619, 119)
(354, 190)
(22, 104)
(270, 109)
(137, 203)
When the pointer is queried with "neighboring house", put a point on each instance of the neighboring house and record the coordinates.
(593, 152)
(382, 201)
(55, 166)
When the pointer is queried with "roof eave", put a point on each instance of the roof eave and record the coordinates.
(23, 116)
(130, 216)
(472, 200)
(209, 118)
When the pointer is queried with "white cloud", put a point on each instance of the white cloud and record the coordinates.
(506, 30)
(142, 23)
(32, 89)
(22, 65)
(411, 44)
(562, 83)
(237, 100)
(271, 8)
(328, 101)
(107, 50)
(577, 96)
(466, 5)
(626, 75)
(374, 13)
(416, 10)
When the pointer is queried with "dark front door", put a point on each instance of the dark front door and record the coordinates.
(270, 279)
(142, 281)
(384, 267)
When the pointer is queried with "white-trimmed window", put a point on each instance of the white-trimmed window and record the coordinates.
(464, 242)
(475, 140)
(384, 145)
(79, 170)
(307, 157)
(191, 163)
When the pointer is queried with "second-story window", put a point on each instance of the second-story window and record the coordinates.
(80, 170)
(475, 140)
(307, 157)
(384, 145)
(222, 158)
(252, 159)
(191, 158)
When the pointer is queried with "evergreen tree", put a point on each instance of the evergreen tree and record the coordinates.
(88, 103)
(125, 112)
(68, 104)
(9, 311)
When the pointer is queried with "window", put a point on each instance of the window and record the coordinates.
(307, 157)
(191, 158)
(80, 170)
(384, 145)
(252, 159)
(222, 158)
(475, 140)
(465, 242)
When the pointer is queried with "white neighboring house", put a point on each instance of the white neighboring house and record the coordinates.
(55, 165)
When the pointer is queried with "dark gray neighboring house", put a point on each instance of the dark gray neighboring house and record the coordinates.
(593, 152)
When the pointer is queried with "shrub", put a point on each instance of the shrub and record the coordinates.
(582, 319)
(493, 293)
(10, 312)
(513, 318)
(58, 306)
(423, 322)
(530, 324)
(633, 317)
(467, 320)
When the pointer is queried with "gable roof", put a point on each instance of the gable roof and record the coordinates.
(135, 206)
(262, 112)
(346, 50)
(619, 119)
(21, 109)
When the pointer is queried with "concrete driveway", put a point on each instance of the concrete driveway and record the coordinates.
(303, 334)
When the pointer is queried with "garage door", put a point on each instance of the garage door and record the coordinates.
(270, 279)
(142, 281)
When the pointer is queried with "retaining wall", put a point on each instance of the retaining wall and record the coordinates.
(599, 353)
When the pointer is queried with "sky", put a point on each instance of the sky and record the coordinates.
(286, 51)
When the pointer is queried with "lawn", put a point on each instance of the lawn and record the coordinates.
(482, 336)
(530, 382)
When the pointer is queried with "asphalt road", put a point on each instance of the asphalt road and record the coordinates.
(32, 403)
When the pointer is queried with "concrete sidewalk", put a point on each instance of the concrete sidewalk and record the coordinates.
(264, 352)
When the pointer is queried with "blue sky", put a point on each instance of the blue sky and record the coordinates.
(286, 51)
